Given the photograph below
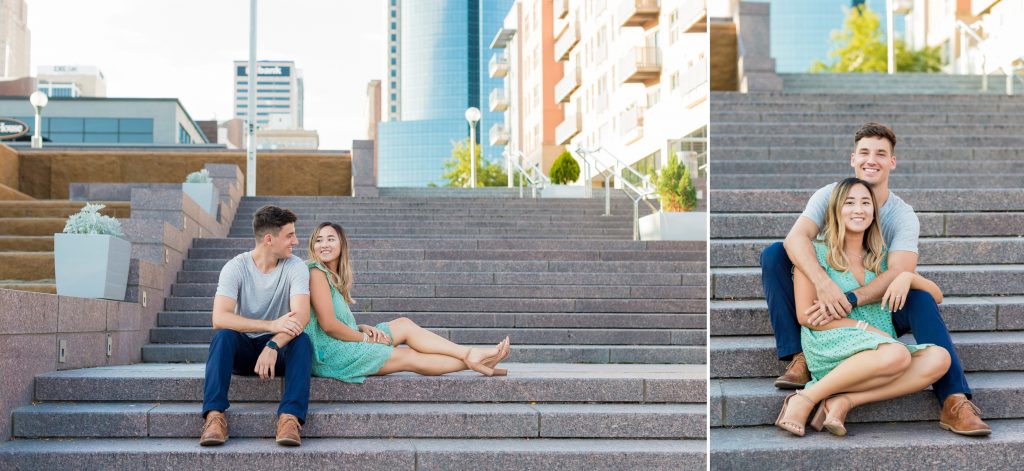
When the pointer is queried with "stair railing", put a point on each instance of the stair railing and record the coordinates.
(644, 191)
(1009, 69)
(528, 174)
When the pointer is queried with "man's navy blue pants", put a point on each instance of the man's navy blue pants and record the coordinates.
(232, 351)
(919, 316)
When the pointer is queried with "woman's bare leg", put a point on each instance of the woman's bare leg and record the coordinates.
(926, 366)
(422, 340)
(427, 364)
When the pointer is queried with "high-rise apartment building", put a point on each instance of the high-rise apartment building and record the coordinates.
(15, 39)
(279, 94)
(628, 76)
(71, 81)
(435, 72)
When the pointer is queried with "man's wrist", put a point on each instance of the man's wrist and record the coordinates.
(852, 297)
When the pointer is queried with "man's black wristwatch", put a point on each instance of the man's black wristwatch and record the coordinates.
(274, 346)
(852, 298)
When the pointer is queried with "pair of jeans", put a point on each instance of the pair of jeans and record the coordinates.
(919, 316)
(232, 351)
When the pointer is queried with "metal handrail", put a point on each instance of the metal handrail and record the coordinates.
(1008, 69)
(634, 193)
(525, 174)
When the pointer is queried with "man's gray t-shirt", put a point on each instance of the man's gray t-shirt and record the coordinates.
(258, 295)
(900, 226)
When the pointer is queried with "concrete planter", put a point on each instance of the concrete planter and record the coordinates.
(563, 191)
(662, 225)
(91, 265)
(204, 194)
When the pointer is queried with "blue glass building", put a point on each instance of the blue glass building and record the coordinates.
(801, 30)
(437, 69)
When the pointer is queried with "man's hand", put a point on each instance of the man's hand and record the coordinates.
(896, 294)
(265, 363)
(832, 298)
(376, 335)
(286, 324)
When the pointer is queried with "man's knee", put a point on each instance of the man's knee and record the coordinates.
(920, 298)
(774, 255)
(224, 338)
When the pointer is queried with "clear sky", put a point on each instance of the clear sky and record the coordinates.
(185, 49)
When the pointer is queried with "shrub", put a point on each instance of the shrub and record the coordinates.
(676, 187)
(565, 169)
(90, 221)
(202, 176)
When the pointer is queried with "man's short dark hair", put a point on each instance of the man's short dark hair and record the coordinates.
(876, 130)
(270, 219)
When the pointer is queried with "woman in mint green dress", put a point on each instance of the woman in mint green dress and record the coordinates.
(350, 352)
(855, 360)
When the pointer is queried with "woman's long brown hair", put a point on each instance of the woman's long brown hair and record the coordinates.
(834, 231)
(341, 279)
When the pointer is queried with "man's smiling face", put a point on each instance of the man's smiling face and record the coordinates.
(873, 159)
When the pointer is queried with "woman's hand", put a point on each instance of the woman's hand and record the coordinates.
(896, 294)
(818, 315)
(376, 335)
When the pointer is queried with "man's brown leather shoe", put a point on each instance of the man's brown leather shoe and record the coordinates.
(960, 415)
(288, 429)
(796, 375)
(215, 429)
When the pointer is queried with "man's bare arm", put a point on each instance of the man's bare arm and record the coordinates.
(224, 317)
(799, 246)
(899, 262)
(300, 306)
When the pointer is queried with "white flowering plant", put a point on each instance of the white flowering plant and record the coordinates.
(90, 221)
(202, 176)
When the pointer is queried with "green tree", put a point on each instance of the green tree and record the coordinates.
(675, 186)
(860, 47)
(456, 170)
(564, 169)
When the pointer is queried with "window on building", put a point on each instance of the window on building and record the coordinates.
(394, 37)
(394, 50)
(183, 136)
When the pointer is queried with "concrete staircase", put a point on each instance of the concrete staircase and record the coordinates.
(901, 83)
(26, 240)
(960, 166)
(607, 370)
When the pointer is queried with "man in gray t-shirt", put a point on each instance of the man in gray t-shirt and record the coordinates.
(261, 308)
(872, 160)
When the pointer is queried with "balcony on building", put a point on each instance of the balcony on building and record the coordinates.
(693, 14)
(569, 83)
(502, 37)
(631, 124)
(641, 65)
(642, 13)
(570, 126)
(498, 134)
(499, 100)
(561, 8)
(498, 66)
(566, 41)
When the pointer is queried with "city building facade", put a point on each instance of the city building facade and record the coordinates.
(109, 121)
(629, 77)
(802, 29)
(279, 94)
(15, 39)
(71, 81)
(957, 26)
(435, 72)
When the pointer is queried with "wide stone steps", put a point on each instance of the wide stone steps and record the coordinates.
(725, 116)
(837, 140)
(843, 105)
(496, 266)
(933, 224)
(493, 319)
(895, 84)
(27, 266)
(758, 402)
(849, 128)
(942, 200)
(9, 243)
(31, 226)
(59, 208)
(579, 254)
(241, 244)
(936, 251)
(415, 231)
(368, 420)
(907, 168)
(452, 290)
(955, 280)
(892, 446)
(754, 356)
(813, 182)
(961, 314)
(368, 454)
(189, 279)
(561, 353)
(751, 151)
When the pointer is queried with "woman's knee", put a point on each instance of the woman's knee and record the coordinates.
(938, 360)
(894, 359)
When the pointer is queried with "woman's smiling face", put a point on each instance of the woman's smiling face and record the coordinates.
(327, 245)
(858, 210)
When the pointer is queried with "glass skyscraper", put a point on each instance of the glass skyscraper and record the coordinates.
(801, 30)
(436, 70)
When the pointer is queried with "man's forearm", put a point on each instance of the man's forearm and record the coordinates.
(873, 292)
(232, 321)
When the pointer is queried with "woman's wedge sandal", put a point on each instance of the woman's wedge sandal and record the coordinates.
(788, 425)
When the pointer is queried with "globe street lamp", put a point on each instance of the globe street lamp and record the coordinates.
(39, 101)
(472, 115)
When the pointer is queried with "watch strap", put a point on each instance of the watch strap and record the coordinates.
(852, 298)
(273, 345)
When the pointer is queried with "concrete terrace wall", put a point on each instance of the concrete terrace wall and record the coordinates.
(161, 228)
(48, 174)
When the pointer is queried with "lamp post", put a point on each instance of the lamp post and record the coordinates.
(473, 116)
(39, 101)
(890, 33)
(250, 128)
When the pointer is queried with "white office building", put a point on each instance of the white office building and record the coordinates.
(279, 94)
